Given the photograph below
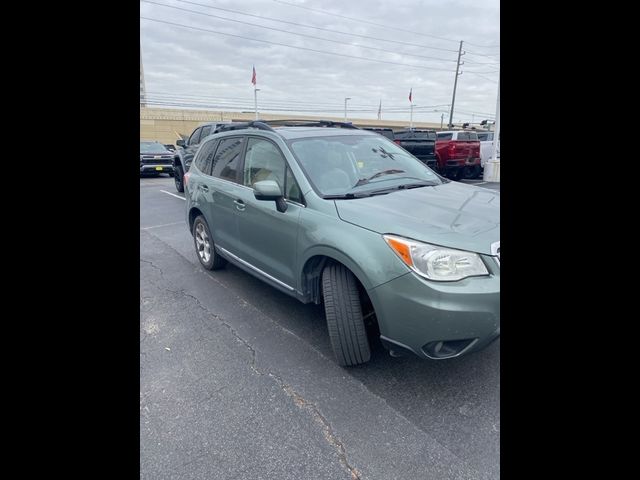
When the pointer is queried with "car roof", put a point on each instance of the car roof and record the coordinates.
(290, 133)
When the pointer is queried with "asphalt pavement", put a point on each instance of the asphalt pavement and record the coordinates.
(237, 380)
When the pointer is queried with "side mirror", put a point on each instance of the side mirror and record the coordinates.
(270, 190)
(181, 143)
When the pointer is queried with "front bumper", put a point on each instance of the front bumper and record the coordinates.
(439, 319)
(156, 168)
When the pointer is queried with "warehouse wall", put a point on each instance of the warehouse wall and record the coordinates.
(164, 124)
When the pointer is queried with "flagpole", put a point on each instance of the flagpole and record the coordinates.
(255, 100)
(411, 120)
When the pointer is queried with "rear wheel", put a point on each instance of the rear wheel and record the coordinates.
(459, 174)
(178, 178)
(472, 171)
(205, 248)
(343, 311)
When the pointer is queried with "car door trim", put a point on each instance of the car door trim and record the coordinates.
(255, 269)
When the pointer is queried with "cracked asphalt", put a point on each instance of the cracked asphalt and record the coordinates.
(237, 380)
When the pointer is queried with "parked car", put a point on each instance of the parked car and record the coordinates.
(155, 158)
(385, 132)
(345, 218)
(420, 143)
(458, 153)
(187, 149)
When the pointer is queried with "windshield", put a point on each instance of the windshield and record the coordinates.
(152, 147)
(358, 164)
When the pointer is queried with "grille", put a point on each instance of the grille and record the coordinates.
(152, 160)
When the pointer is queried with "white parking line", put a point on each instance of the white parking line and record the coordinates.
(480, 183)
(165, 225)
(173, 195)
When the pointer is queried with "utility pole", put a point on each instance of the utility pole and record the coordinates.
(345, 108)
(455, 83)
(492, 166)
(441, 120)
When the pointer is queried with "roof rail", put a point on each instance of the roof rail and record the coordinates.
(260, 125)
(310, 123)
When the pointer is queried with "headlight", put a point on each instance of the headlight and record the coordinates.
(437, 263)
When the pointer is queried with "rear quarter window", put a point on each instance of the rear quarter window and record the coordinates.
(445, 136)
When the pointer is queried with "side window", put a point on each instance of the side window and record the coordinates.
(206, 131)
(227, 158)
(204, 157)
(445, 136)
(195, 137)
(292, 190)
(264, 161)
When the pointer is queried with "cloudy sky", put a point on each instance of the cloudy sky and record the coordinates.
(379, 53)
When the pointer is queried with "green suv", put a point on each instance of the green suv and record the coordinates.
(332, 214)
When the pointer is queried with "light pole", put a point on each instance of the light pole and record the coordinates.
(345, 108)
(255, 100)
(492, 167)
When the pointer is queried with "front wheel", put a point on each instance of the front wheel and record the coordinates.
(178, 178)
(343, 311)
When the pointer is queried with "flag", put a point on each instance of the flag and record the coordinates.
(253, 77)
(380, 109)
(410, 92)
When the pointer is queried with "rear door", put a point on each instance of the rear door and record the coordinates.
(199, 187)
(222, 190)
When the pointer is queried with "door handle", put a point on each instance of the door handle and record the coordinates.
(204, 188)
(240, 205)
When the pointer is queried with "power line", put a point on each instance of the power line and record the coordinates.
(296, 47)
(299, 34)
(482, 76)
(398, 42)
(277, 102)
(483, 54)
(365, 21)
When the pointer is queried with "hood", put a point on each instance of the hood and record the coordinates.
(452, 215)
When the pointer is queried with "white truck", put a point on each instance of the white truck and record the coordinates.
(486, 144)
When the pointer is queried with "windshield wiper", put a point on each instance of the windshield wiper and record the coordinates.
(346, 196)
(391, 171)
(404, 186)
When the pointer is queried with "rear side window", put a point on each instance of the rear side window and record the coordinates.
(206, 131)
(226, 161)
(195, 137)
(401, 135)
(425, 135)
(445, 136)
(204, 157)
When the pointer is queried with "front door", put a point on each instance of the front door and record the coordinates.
(267, 238)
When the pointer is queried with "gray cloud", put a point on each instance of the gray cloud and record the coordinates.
(194, 67)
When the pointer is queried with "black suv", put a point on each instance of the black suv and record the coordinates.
(188, 148)
(155, 158)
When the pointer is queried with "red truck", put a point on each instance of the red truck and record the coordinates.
(458, 154)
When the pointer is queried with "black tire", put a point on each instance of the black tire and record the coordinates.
(459, 174)
(178, 178)
(204, 242)
(472, 171)
(171, 174)
(343, 311)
